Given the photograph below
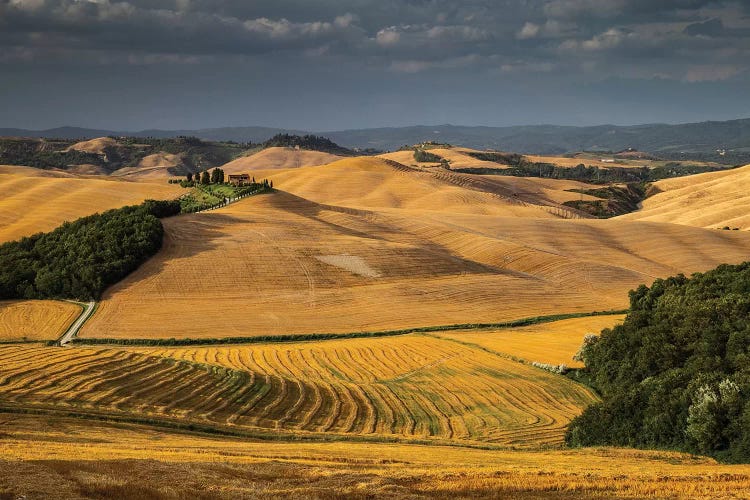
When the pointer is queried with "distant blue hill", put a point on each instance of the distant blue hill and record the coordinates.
(703, 138)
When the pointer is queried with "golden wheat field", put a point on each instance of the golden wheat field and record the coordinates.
(35, 319)
(711, 200)
(35, 200)
(413, 386)
(363, 245)
(152, 167)
(278, 158)
(357, 245)
(553, 343)
(47, 456)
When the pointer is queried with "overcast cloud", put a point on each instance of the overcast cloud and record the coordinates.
(330, 64)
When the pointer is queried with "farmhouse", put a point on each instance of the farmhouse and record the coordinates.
(238, 179)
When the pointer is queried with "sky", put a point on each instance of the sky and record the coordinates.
(329, 65)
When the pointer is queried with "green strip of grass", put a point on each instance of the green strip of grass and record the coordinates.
(332, 336)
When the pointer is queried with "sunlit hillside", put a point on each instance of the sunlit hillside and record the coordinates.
(363, 245)
(711, 200)
(278, 158)
(356, 246)
(36, 200)
(35, 319)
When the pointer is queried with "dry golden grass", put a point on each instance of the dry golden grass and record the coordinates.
(34, 200)
(35, 319)
(552, 343)
(278, 158)
(96, 146)
(459, 158)
(359, 244)
(711, 200)
(539, 191)
(412, 386)
(373, 183)
(46, 457)
(154, 166)
(407, 158)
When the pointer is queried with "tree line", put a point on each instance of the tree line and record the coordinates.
(518, 166)
(423, 156)
(80, 259)
(676, 373)
(309, 141)
(216, 176)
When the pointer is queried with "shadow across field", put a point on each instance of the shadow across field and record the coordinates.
(204, 234)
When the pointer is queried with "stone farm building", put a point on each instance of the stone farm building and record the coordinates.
(239, 179)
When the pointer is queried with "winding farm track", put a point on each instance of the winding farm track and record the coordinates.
(72, 331)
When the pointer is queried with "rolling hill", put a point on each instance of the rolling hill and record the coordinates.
(278, 158)
(124, 155)
(36, 200)
(711, 200)
(354, 249)
(410, 387)
(365, 245)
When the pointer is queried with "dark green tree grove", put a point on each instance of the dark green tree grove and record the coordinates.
(676, 373)
(80, 259)
(217, 176)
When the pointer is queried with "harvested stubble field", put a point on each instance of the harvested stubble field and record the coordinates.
(553, 343)
(35, 319)
(363, 245)
(35, 200)
(46, 457)
(711, 200)
(412, 386)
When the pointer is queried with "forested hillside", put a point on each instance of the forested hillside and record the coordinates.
(676, 373)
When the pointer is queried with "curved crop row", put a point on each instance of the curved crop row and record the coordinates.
(412, 386)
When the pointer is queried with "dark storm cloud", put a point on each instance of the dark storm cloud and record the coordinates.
(412, 35)
(470, 43)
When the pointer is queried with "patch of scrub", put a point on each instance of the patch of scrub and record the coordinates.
(351, 263)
